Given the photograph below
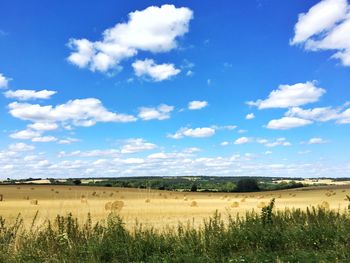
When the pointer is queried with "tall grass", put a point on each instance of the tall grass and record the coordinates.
(314, 235)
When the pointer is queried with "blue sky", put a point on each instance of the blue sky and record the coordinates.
(113, 88)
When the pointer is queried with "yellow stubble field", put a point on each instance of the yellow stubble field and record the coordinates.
(154, 208)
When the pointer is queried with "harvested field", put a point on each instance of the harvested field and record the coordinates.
(153, 207)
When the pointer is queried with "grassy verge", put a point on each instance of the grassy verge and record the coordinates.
(315, 235)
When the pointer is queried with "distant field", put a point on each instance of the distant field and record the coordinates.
(153, 207)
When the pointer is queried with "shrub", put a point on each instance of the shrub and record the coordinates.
(247, 185)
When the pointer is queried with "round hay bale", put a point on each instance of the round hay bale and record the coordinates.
(235, 204)
(1, 197)
(147, 200)
(108, 206)
(325, 205)
(34, 202)
(261, 205)
(117, 205)
(242, 200)
(194, 204)
(185, 198)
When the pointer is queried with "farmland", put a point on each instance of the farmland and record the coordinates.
(155, 208)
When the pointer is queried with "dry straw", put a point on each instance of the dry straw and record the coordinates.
(194, 204)
(261, 205)
(147, 200)
(235, 204)
(34, 202)
(1, 197)
(325, 205)
(242, 200)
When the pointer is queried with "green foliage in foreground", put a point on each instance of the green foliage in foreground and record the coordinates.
(315, 235)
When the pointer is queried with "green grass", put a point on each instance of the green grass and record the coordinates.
(315, 235)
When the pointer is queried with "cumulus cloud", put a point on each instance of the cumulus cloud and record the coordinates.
(79, 112)
(162, 112)
(44, 139)
(316, 140)
(242, 140)
(154, 29)
(290, 96)
(25, 134)
(21, 147)
(286, 123)
(326, 26)
(29, 94)
(250, 116)
(322, 114)
(3, 81)
(156, 72)
(137, 145)
(68, 140)
(195, 133)
(197, 105)
(43, 126)
(274, 143)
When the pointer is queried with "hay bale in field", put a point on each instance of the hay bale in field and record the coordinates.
(18, 187)
(243, 200)
(111, 194)
(26, 198)
(334, 193)
(57, 192)
(34, 202)
(83, 200)
(185, 198)
(325, 205)
(116, 206)
(176, 197)
(147, 200)
(328, 194)
(194, 204)
(32, 188)
(1, 197)
(108, 206)
(52, 190)
(235, 204)
(261, 205)
(343, 191)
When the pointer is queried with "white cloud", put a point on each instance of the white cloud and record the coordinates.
(44, 139)
(316, 140)
(153, 29)
(322, 114)
(43, 126)
(290, 96)
(25, 134)
(157, 72)
(250, 116)
(29, 94)
(21, 147)
(3, 81)
(242, 140)
(68, 140)
(195, 133)
(225, 143)
(315, 114)
(162, 112)
(191, 150)
(326, 26)
(286, 123)
(79, 112)
(274, 143)
(137, 145)
(197, 105)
